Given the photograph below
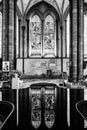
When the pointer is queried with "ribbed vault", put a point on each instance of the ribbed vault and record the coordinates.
(59, 5)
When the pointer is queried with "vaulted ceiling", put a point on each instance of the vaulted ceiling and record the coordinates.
(59, 5)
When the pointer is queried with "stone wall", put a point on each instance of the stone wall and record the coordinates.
(40, 66)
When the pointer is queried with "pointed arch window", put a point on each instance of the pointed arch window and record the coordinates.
(49, 46)
(42, 36)
(35, 47)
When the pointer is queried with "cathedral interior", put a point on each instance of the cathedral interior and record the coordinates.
(43, 64)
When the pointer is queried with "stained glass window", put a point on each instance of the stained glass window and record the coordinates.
(35, 36)
(49, 37)
(42, 37)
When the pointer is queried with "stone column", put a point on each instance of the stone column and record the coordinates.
(11, 33)
(73, 40)
(8, 32)
(76, 40)
(15, 31)
(80, 40)
(5, 30)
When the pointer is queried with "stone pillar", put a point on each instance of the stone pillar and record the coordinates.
(73, 40)
(11, 33)
(76, 40)
(8, 32)
(5, 30)
(15, 30)
(80, 40)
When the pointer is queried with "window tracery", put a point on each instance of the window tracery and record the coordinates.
(42, 37)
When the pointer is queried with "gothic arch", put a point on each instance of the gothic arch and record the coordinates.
(34, 2)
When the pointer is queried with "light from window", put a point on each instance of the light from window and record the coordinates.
(49, 37)
(35, 36)
(42, 37)
(68, 35)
